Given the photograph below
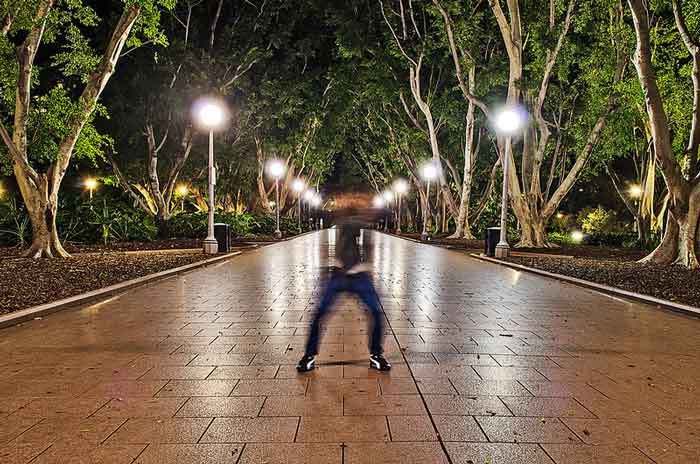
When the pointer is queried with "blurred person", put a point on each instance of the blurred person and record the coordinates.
(351, 274)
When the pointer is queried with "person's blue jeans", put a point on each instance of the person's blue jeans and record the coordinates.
(361, 285)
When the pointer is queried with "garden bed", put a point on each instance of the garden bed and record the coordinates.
(673, 283)
(449, 242)
(28, 282)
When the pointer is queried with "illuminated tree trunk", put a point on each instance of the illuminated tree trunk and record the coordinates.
(681, 235)
(40, 190)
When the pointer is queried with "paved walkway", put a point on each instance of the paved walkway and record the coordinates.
(490, 366)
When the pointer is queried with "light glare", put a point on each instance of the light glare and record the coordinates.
(275, 168)
(298, 185)
(577, 236)
(400, 186)
(509, 121)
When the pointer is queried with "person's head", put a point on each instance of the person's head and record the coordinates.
(354, 204)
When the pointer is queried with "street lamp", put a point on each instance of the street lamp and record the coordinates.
(308, 197)
(388, 197)
(298, 186)
(211, 115)
(400, 188)
(428, 172)
(276, 169)
(316, 203)
(508, 122)
(90, 184)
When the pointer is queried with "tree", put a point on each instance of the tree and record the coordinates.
(680, 239)
(29, 25)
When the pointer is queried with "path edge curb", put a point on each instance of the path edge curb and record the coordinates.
(24, 315)
(650, 300)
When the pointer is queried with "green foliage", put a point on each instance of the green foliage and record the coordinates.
(15, 228)
(598, 221)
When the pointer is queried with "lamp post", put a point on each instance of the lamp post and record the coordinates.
(276, 169)
(429, 172)
(210, 115)
(298, 186)
(316, 203)
(400, 188)
(309, 196)
(508, 122)
(90, 184)
(388, 198)
(635, 191)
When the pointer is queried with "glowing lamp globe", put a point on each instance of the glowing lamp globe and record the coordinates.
(429, 171)
(276, 168)
(211, 115)
(298, 185)
(90, 183)
(401, 186)
(509, 121)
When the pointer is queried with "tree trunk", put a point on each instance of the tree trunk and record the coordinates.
(679, 242)
(463, 228)
(42, 208)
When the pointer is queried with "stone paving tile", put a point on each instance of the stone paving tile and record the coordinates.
(526, 430)
(489, 387)
(141, 407)
(545, 407)
(501, 453)
(587, 454)
(122, 389)
(395, 453)
(343, 429)
(312, 405)
(177, 372)
(105, 454)
(411, 428)
(159, 430)
(218, 406)
(198, 388)
(459, 428)
(13, 426)
(21, 453)
(190, 454)
(50, 408)
(466, 405)
(243, 372)
(296, 453)
(252, 429)
(383, 405)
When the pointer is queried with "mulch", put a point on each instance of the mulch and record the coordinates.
(673, 283)
(28, 282)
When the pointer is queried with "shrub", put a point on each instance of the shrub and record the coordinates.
(599, 221)
(15, 228)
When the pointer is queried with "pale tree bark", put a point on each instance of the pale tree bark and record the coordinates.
(463, 229)
(40, 190)
(681, 235)
(532, 207)
(693, 46)
(415, 66)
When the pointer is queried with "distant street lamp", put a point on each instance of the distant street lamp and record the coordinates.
(429, 172)
(508, 122)
(316, 202)
(577, 236)
(90, 184)
(298, 186)
(309, 195)
(400, 188)
(276, 169)
(388, 197)
(211, 115)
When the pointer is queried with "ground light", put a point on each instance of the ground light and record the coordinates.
(577, 236)
(211, 115)
(91, 184)
(182, 192)
(635, 191)
(508, 122)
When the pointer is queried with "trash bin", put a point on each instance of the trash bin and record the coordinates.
(222, 232)
(493, 236)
